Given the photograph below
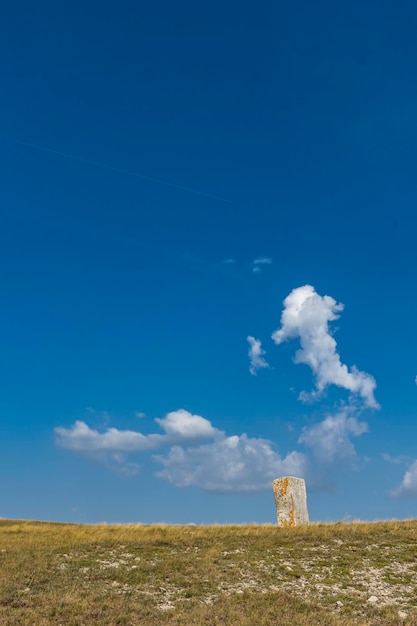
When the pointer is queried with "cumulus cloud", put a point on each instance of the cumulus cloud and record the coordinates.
(178, 426)
(81, 438)
(183, 425)
(306, 316)
(258, 263)
(197, 453)
(230, 464)
(256, 355)
(330, 439)
(408, 486)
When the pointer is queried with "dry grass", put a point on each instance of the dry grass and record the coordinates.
(321, 574)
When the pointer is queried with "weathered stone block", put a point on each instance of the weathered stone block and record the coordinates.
(290, 501)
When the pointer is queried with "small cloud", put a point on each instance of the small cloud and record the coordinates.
(397, 460)
(81, 438)
(119, 463)
(415, 380)
(408, 486)
(140, 415)
(258, 263)
(183, 425)
(256, 355)
(178, 426)
(330, 439)
(229, 262)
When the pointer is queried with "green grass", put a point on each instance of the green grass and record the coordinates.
(320, 574)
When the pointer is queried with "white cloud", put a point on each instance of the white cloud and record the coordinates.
(183, 425)
(198, 454)
(258, 263)
(397, 460)
(178, 425)
(306, 315)
(415, 380)
(330, 438)
(81, 438)
(256, 355)
(230, 464)
(118, 462)
(408, 486)
(225, 464)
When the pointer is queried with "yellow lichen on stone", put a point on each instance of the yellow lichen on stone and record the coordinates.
(290, 500)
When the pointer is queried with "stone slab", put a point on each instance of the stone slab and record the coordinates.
(290, 501)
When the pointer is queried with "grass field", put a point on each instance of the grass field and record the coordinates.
(321, 574)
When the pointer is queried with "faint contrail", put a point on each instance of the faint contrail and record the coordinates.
(113, 169)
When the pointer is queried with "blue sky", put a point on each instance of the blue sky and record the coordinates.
(176, 178)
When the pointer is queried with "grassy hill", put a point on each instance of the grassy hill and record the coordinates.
(260, 575)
